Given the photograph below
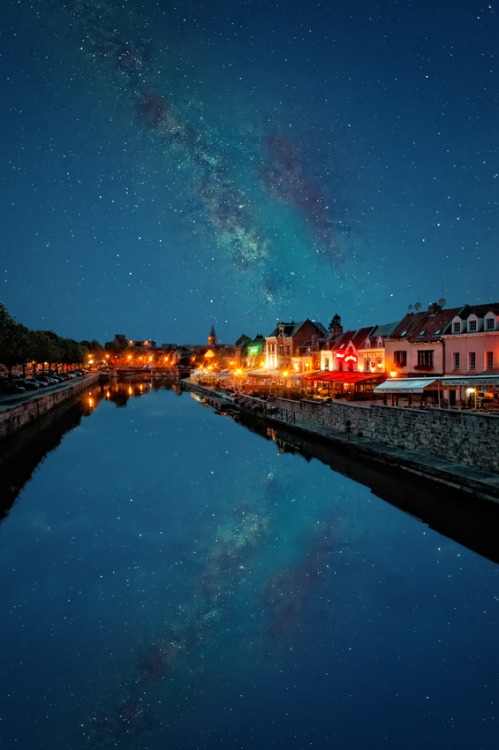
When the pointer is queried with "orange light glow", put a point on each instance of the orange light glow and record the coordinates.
(393, 374)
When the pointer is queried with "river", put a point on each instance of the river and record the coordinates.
(170, 579)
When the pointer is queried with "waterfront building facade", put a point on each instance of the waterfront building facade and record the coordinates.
(286, 342)
(415, 348)
(472, 340)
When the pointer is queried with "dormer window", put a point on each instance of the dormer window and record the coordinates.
(456, 326)
(472, 325)
(421, 333)
(490, 324)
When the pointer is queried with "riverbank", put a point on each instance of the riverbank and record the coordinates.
(25, 409)
(477, 482)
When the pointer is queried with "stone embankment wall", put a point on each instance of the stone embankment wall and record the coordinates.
(20, 415)
(467, 438)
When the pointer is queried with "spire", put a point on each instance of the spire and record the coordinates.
(212, 338)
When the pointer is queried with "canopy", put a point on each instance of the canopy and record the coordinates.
(341, 377)
(262, 373)
(405, 385)
(472, 380)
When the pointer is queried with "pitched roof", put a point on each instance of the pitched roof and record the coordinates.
(289, 329)
(357, 338)
(479, 310)
(384, 330)
(423, 326)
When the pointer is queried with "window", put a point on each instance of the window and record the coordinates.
(327, 365)
(490, 324)
(471, 361)
(472, 325)
(455, 361)
(456, 326)
(489, 360)
(425, 358)
(400, 358)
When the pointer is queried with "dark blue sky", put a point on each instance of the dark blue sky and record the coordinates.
(169, 165)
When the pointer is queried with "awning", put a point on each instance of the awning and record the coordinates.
(471, 380)
(342, 377)
(262, 373)
(405, 385)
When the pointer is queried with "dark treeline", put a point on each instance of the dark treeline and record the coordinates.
(20, 346)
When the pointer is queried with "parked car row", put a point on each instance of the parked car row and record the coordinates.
(42, 380)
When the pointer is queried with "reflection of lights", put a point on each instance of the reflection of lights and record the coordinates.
(90, 401)
(108, 395)
(130, 391)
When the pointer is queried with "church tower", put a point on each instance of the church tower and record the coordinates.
(212, 338)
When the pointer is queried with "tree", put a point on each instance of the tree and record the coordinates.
(335, 325)
(8, 339)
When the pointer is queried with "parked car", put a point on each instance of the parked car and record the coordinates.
(41, 383)
(8, 386)
(28, 383)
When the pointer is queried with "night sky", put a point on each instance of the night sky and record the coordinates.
(169, 165)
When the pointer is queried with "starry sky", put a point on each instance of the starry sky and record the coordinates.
(169, 165)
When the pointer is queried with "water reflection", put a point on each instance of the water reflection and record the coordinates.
(22, 452)
(458, 514)
(170, 579)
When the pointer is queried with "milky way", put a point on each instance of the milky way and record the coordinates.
(230, 204)
(173, 165)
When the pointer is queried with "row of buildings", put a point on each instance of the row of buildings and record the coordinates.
(434, 343)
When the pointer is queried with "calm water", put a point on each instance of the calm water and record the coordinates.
(170, 580)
